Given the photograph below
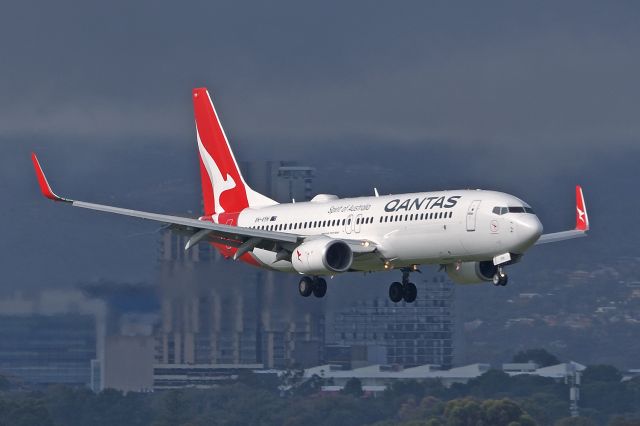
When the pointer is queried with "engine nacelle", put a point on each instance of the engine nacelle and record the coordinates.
(322, 256)
(471, 272)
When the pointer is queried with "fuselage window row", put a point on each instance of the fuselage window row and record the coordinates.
(358, 221)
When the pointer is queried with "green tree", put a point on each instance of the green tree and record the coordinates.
(174, 411)
(601, 373)
(427, 408)
(501, 412)
(353, 387)
(25, 411)
(624, 421)
(492, 383)
(545, 408)
(575, 421)
(539, 356)
(464, 412)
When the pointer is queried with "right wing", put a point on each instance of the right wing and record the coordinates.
(582, 223)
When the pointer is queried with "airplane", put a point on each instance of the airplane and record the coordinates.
(472, 234)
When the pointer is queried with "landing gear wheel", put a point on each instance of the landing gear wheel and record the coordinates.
(319, 287)
(305, 286)
(500, 278)
(395, 292)
(504, 280)
(409, 292)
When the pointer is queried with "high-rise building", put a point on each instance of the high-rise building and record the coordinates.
(217, 311)
(408, 334)
(283, 181)
(50, 339)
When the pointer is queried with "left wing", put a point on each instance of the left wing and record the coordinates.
(202, 230)
(582, 223)
(245, 239)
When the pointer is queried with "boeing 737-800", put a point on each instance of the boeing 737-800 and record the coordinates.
(473, 234)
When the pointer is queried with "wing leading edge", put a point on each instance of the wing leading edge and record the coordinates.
(582, 223)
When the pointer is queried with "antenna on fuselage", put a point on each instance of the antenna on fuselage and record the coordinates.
(375, 191)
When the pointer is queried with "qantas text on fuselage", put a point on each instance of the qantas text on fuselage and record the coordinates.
(472, 234)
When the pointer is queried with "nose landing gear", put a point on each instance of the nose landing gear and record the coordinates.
(500, 278)
(405, 290)
(315, 285)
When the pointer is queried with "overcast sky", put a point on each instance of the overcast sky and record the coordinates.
(492, 91)
(465, 72)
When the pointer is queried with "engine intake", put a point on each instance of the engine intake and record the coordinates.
(322, 256)
(471, 272)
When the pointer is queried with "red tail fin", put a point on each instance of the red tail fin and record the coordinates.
(223, 187)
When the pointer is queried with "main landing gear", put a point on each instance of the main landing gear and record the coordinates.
(315, 285)
(405, 290)
(500, 278)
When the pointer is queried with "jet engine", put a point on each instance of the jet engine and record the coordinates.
(471, 272)
(322, 256)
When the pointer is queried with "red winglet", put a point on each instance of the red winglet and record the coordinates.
(45, 188)
(582, 218)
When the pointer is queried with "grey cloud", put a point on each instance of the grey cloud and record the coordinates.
(498, 73)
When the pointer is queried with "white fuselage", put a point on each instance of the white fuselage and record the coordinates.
(408, 229)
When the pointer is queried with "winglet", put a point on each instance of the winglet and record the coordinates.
(45, 188)
(582, 218)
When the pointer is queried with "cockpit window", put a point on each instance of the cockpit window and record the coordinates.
(500, 210)
(520, 210)
(504, 210)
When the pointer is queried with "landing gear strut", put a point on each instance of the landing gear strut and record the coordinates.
(315, 285)
(405, 290)
(500, 278)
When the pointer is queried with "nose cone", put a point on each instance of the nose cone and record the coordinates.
(528, 229)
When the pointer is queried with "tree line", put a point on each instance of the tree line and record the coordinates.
(493, 399)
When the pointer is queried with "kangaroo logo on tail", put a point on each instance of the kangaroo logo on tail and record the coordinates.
(223, 187)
